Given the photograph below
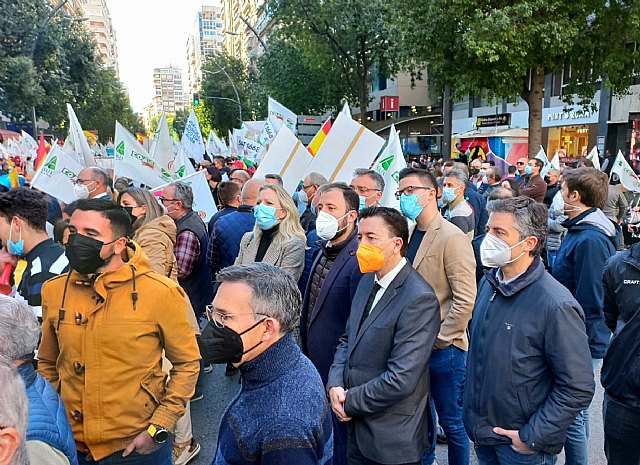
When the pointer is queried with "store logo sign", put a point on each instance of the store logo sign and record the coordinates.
(558, 116)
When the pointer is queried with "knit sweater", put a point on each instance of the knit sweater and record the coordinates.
(280, 416)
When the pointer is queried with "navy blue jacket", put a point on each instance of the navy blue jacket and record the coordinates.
(219, 214)
(309, 258)
(622, 287)
(47, 416)
(529, 365)
(590, 241)
(327, 320)
(226, 236)
(479, 205)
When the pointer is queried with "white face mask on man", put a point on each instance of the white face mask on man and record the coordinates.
(80, 191)
(496, 253)
(327, 226)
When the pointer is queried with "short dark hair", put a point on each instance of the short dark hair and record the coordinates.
(500, 193)
(277, 177)
(512, 169)
(58, 230)
(27, 204)
(70, 208)
(351, 197)
(530, 218)
(395, 221)
(585, 162)
(539, 163)
(227, 191)
(590, 183)
(117, 216)
(425, 177)
(214, 173)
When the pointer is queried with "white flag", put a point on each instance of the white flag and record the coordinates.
(346, 110)
(282, 115)
(215, 145)
(595, 159)
(628, 178)
(203, 203)
(78, 140)
(180, 166)
(348, 146)
(268, 133)
(134, 162)
(287, 157)
(28, 143)
(162, 146)
(249, 149)
(389, 164)
(57, 174)
(542, 156)
(192, 138)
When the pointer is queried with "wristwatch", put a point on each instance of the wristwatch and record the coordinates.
(158, 433)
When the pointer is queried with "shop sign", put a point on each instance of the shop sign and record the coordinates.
(389, 103)
(502, 119)
(567, 116)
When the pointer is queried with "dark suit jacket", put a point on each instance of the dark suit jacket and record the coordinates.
(328, 318)
(384, 366)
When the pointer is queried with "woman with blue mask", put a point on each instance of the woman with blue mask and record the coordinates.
(277, 237)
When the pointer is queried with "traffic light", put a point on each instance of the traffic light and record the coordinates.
(196, 100)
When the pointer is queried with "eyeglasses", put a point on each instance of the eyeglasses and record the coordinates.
(164, 199)
(307, 187)
(82, 181)
(219, 319)
(520, 163)
(410, 190)
(363, 190)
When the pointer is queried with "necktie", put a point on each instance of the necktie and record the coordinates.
(367, 307)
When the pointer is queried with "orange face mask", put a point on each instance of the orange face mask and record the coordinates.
(370, 258)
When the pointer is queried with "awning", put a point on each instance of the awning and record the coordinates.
(6, 134)
(491, 132)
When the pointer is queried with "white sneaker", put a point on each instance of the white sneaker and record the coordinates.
(182, 455)
(208, 368)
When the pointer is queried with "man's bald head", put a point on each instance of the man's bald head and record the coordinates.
(250, 191)
(96, 180)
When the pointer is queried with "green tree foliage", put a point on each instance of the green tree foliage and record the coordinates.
(351, 32)
(504, 48)
(218, 97)
(306, 84)
(50, 60)
(179, 122)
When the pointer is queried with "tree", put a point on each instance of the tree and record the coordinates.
(506, 47)
(180, 121)
(352, 32)
(304, 84)
(218, 96)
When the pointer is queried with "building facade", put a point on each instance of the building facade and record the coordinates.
(98, 21)
(244, 22)
(207, 38)
(169, 91)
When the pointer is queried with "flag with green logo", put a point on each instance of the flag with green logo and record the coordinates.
(57, 174)
(203, 203)
(389, 164)
(132, 161)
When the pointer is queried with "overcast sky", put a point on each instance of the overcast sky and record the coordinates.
(151, 34)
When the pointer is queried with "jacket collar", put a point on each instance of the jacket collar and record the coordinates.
(533, 273)
(570, 223)
(39, 249)
(27, 373)
(270, 365)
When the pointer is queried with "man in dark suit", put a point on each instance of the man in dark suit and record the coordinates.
(332, 285)
(379, 381)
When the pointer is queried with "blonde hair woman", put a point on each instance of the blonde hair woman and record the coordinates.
(154, 231)
(277, 237)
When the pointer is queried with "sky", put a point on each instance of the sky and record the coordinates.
(151, 34)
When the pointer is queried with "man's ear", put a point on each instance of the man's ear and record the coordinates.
(9, 443)
(272, 328)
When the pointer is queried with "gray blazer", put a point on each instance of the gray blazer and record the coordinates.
(289, 255)
(385, 367)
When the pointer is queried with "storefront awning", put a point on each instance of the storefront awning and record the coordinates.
(6, 134)
(491, 132)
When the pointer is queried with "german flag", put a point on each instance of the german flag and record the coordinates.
(319, 138)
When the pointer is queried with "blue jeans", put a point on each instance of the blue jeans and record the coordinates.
(447, 369)
(504, 454)
(160, 457)
(576, 447)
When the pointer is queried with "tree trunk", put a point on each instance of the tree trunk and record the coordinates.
(534, 100)
(363, 97)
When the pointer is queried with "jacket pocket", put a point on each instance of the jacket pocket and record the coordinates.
(523, 400)
(153, 385)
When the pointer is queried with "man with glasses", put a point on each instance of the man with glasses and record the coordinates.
(281, 414)
(107, 324)
(369, 185)
(310, 187)
(443, 255)
(521, 166)
(239, 176)
(92, 183)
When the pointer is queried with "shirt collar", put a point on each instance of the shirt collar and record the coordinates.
(388, 278)
(501, 280)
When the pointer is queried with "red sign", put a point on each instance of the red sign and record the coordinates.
(390, 103)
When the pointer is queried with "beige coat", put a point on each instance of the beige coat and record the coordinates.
(288, 255)
(158, 238)
(445, 259)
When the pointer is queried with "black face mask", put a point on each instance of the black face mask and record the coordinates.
(547, 179)
(223, 345)
(474, 171)
(129, 211)
(83, 253)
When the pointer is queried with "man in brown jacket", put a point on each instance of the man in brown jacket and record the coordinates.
(443, 255)
(534, 186)
(106, 324)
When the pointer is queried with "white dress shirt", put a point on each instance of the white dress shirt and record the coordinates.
(386, 281)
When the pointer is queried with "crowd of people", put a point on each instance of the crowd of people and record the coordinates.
(478, 314)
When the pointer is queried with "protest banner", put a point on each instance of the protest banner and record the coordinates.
(57, 174)
(162, 147)
(628, 178)
(180, 166)
(192, 138)
(78, 140)
(134, 162)
(595, 159)
(281, 115)
(389, 164)
(216, 146)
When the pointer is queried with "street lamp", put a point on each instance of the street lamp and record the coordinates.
(232, 85)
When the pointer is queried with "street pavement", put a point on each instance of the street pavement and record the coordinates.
(219, 390)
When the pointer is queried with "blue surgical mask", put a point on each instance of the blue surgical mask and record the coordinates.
(363, 203)
(527, 170)
(441, 204)
(15, 248)
(265, 216)
(449, 194)
(410, 206)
